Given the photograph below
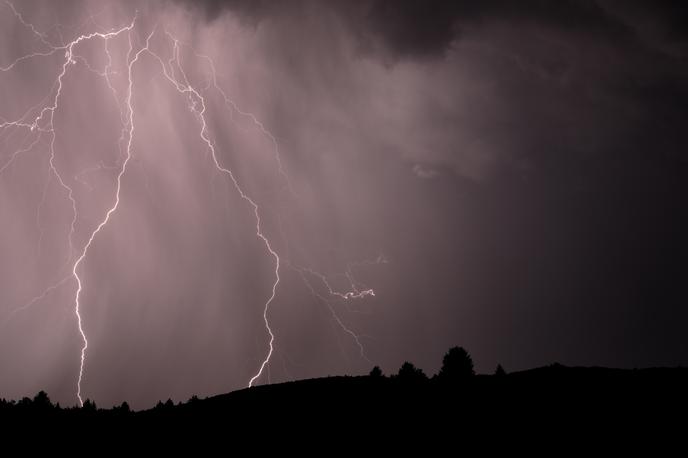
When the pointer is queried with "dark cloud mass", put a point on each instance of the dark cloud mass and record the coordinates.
(507, 176)
(251, 9)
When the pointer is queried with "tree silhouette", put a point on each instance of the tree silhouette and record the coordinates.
(42, 401)
(376, 372)
(410, 373)
(456, 365)
(499, 372)
(167, 405)
(124, 407)
(89, 406)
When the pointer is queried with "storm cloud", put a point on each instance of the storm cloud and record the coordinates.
(506, 176)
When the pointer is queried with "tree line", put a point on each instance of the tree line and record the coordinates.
(457, 366)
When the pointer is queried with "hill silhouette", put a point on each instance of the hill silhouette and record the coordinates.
(554, 400)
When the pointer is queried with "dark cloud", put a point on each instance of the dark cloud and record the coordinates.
(572, 14)
(427, 28)
(251, 10)
(412, 28)
(669, 16)
(418, 28)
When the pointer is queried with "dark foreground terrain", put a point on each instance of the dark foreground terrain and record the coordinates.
(572, 404)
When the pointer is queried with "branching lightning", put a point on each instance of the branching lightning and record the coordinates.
(71, 59)
(38, 124)
(130, 111)
(306, 273)
(195, 98)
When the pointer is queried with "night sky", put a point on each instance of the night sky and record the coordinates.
(508, 176)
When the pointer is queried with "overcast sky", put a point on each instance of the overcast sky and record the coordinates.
(505, 176)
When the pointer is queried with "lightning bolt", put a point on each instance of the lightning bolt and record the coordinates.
(113, 209)
(36, 299)
(38, 121)
(46, 115)
(259, 124)
(352, 294)
(335, 316)
(195, 97)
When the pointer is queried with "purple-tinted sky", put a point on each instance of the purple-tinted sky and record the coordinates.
(505, 176)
